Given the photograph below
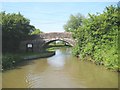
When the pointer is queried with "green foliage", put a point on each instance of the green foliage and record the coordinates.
(74, 22)
(76, 50)
(98, 36)
(36, 31)
(15, 27)
(10, 60)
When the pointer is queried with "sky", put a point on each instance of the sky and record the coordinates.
(51, 16)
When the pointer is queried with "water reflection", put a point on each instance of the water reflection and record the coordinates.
(57, 61)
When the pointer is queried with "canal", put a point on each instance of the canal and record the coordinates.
(59, 71)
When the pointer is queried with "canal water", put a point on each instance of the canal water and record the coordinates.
(59, 71)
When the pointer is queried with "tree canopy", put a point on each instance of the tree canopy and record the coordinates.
(15, 27)
(36, 31)
(98, 38)
(74, 22)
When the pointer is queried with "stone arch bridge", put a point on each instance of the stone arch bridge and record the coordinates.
(39, 41)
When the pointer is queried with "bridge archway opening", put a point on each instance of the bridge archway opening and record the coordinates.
(65, 43)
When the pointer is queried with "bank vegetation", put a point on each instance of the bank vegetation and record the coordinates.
(15, 28)
(97, 37)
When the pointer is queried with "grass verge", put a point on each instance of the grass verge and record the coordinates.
(10, 60)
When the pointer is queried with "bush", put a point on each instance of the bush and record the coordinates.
(98, 38)
(10, 60)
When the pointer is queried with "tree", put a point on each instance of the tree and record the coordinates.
(15, 27)
(74, 22)
(36, 31)
(98, 38)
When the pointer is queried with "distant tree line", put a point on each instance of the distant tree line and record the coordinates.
(15, 28)
(97, 36)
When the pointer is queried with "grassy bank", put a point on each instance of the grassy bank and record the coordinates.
(10, 60)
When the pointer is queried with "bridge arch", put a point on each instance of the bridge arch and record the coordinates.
(39, 41)
(53, 40)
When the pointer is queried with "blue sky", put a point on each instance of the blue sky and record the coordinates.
(51, 16)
